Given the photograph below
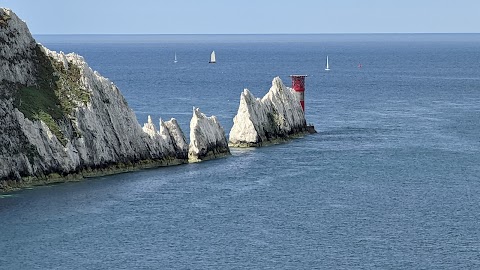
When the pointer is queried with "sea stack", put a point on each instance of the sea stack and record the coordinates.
(207, 138)
(59, 118)
(169, 138)
(275, 117)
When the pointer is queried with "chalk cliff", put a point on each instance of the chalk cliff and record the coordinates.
(58, 117)
(277, 116)
(207, 138)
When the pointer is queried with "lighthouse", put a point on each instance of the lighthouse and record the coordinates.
(298, 85)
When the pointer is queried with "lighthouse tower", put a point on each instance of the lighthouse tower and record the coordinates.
(298, 84)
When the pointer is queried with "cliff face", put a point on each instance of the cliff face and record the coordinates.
(207, 138)
(59, 116)
(276, 116)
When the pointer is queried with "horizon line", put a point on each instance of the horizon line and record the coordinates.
(239, 34)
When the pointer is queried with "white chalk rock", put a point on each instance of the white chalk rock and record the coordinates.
(207, 138)
(169, 138)
(277, 116)
(92, 129)
(17, 49)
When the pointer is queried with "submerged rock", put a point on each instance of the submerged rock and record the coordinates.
(277, 116)
(59, 117)
(207, 138)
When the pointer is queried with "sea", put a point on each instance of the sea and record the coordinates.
(390, 181)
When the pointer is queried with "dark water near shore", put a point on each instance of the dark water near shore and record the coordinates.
(391, 181)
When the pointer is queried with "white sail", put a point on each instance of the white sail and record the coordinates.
(212, 57)
(327, 67)
(175, 61)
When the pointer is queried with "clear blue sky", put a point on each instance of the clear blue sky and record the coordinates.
(247, 16)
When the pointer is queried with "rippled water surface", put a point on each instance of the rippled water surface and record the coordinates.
(390, 181)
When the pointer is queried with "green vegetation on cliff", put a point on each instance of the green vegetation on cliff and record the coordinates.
(57, 93)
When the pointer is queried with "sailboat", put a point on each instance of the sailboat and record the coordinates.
(327, 66)
(175, 61)
(212, 58)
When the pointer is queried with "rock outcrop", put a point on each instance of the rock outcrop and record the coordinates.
(169, 138)
(207, 138)
(275, 117)
(58, 117)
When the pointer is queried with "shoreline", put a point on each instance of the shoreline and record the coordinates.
(278, 140)
(9, 186)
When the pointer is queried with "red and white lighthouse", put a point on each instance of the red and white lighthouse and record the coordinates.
(298, 85)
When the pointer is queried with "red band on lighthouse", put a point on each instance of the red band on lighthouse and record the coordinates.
(298, 85)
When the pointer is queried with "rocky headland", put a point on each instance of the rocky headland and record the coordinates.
(60, 120)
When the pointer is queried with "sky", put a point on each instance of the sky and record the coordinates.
(247, 16)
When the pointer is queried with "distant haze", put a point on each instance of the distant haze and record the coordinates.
(247, 16)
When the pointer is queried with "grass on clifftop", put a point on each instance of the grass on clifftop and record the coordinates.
(55, 96)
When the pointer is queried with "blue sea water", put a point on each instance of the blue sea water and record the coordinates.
(391, 181)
